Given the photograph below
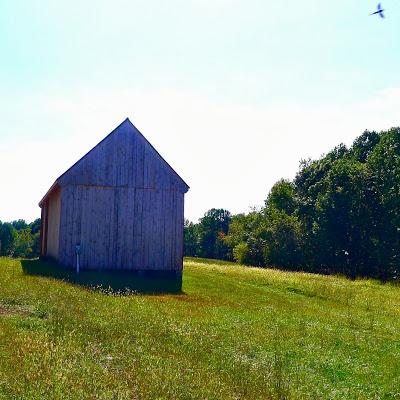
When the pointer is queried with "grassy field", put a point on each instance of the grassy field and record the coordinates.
(234, 333)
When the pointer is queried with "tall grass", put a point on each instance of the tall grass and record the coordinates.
(234, 333)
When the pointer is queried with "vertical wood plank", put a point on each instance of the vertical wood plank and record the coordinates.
(137, 229)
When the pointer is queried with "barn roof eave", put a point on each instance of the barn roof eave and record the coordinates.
(53, 187)
(187, 187)
(90, 151)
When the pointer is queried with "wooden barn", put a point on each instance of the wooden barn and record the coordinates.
(120, 207)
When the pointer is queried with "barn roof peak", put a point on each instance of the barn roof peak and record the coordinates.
(125, 126)
(128, 121)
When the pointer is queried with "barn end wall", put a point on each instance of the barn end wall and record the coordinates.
(53, 224)
(122, 228)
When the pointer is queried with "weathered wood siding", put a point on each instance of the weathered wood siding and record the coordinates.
(122, 228)
(123, 204)
(53, 224)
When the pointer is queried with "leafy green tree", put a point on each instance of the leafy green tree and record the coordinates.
(246, 238)
(19, 224)
(7, 238)
(23, 243)
(241, 253)
(343, 227)
(283, 240)
(17, 239)
(282, 197)
(35, 226)
(36, 244)
(282, 228)
(191, 239)
(364, 145)
(384, 166)
(212, 229)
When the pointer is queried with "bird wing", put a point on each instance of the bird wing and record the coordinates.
(379, 6)
(381, 14)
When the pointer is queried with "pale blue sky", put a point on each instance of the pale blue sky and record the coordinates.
(232, 93)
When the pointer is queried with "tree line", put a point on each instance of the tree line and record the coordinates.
(20, 239)
(340, 214)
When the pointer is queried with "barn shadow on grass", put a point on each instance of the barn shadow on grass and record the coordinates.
(111, 282)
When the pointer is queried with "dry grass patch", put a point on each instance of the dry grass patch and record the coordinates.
(5, 311)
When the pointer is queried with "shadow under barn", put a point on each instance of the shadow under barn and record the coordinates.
(116, 281)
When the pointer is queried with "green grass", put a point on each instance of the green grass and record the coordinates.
(234, 333)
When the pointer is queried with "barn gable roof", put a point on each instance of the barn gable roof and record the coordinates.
(123, 158)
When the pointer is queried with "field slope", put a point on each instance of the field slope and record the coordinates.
(235, 333)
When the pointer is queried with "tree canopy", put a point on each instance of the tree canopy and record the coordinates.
(20, 239)
(340, 214)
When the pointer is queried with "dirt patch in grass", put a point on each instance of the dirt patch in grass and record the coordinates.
(8, 311)
(5, 311)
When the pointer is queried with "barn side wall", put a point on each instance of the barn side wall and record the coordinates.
(43, 230)
(122, 228)
(53, 224)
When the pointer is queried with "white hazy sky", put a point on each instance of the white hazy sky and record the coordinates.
(233, 93)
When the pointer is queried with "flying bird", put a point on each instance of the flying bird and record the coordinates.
(379, 11)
